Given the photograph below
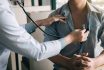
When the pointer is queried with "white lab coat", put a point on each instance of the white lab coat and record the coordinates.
(15, 38)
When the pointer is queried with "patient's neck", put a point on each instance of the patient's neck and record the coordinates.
(78, 6)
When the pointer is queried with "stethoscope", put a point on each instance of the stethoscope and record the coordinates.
(81, 44)
(35, 22)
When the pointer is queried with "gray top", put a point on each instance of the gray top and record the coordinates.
(95, 24)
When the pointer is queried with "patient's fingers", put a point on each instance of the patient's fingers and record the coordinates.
(59, 18)
(84, 54)
(62, 21)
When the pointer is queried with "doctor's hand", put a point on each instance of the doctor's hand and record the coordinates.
(77, 36)
(48, 21)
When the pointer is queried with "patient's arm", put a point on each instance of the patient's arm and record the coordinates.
(67, 63)
(30, 27)
(61, 60)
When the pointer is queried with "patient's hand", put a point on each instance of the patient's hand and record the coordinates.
(48, 21)
(83, 62)
(75, 63)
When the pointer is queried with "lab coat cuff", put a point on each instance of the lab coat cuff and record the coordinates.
(63, 42)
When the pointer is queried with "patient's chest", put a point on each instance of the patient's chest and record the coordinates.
(89, 46)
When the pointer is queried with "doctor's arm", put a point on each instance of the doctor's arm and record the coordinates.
(16, 38)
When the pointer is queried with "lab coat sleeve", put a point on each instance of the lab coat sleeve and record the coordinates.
(16, 38)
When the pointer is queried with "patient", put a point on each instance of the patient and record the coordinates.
(80, 14)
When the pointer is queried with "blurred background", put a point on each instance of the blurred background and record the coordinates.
(37, 9)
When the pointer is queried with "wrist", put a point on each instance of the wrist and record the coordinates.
(51, 19)
(96, 62)
(39, 22)
(69, 39)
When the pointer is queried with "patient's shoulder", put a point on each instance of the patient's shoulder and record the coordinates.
(99, 9)
(59, 10)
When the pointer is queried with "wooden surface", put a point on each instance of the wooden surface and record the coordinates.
(99, 68)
